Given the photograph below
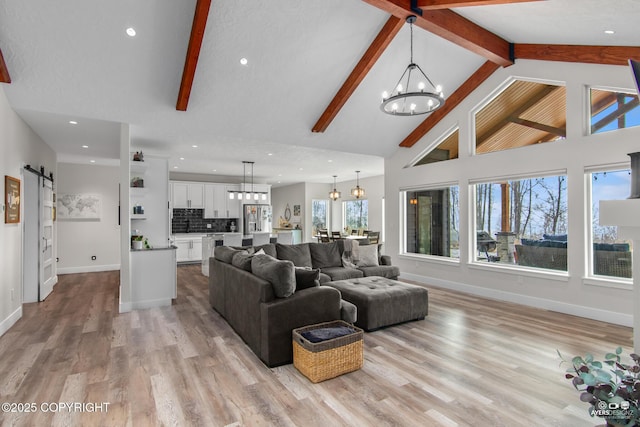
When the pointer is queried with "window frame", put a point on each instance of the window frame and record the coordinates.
(344, 211)
(327, 210)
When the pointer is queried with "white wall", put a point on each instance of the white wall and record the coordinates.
(78, 241)
(566, 293)
(20, 146)
(288, 195)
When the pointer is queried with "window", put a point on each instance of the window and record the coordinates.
(445, 150)
(356, 214)
(609, 254)
(432, 222)
(613, 110)
(319, 215)
(525, 113)
(523, 222)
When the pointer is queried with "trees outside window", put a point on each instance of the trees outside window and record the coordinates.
(356, 214)
(319, 215)
(523, 222)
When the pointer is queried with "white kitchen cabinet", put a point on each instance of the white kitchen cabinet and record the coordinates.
(215, 201)
(187, 195)
(189, 248)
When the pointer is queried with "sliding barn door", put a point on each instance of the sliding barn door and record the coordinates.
(47, 258)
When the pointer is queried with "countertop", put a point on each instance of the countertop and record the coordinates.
(155, 248)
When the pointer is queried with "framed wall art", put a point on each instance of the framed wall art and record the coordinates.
(11, 200)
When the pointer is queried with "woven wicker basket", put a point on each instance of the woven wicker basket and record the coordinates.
(327, 359)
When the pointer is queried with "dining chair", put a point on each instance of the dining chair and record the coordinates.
(336, 235)
(374, 237)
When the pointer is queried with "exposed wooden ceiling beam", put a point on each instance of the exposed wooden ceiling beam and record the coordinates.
(620, 111)
(610, 55)
(454, 28)
(540, 126)
(193, 51)
(452, 102)
(373, 53)
(4, 71)
(448, 4)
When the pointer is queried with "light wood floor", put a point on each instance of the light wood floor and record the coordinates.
(471, 362)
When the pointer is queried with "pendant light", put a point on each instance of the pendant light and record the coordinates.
(411, 97)
(335, 194)
(356, 191)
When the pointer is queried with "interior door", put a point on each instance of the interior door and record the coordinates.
(47, 259)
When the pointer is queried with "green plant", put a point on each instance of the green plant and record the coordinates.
(138, 238)
(611, 387)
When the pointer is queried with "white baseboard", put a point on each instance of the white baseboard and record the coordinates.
(546, 304)
(88, 269)
(125, 307)
(10, 321)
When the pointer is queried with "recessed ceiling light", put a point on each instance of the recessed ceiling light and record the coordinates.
(215, 170)
(243, 61)
(279, 174)
(330, 161)
(194, 146)
(300, 169)
(609, 32)
(92, 161)
(131, 32)
(269, 154)
(175, 167)
(181, 158)
(73, 122)
(85, 146)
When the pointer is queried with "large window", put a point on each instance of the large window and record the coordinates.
(613, 110)
(523, 222)
(319, 215)
(610, 255)
(525, 113)
(432, 221)
(445, 150)
(356, 214)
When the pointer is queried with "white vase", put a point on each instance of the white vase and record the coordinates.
(137, 244)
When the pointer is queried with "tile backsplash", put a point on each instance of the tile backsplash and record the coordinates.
(191, 221)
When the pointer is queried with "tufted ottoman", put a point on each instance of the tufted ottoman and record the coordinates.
(383, 302)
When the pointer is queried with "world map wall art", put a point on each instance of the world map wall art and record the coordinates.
(78, 207)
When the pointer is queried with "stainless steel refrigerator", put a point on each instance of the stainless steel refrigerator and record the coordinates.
(257, 218)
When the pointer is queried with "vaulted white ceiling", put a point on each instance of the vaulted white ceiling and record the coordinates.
(71, 60)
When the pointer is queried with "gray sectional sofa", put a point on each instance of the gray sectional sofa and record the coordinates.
(255, 294)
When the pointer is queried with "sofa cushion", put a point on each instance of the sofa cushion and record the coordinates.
(280, 273)
(325, 255)
(388, 271)
(367, 256)
(342, 273)
(226, 253)
(298, 254)
(269, 249)
(306, 278)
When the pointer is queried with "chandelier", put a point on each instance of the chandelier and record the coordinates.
(244, 194)
(356, 191)
(335, 194)
(412, 96)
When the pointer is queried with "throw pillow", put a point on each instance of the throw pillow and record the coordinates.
(225, 253)
(242, 259)
(306, 278)
(298, 254)
(280, 273)
(368, 256)
(269, 249)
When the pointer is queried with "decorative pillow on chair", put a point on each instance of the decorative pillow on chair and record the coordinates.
(368, 256)
(281, 274)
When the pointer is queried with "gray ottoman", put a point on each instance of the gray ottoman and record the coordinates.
(383, 302)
